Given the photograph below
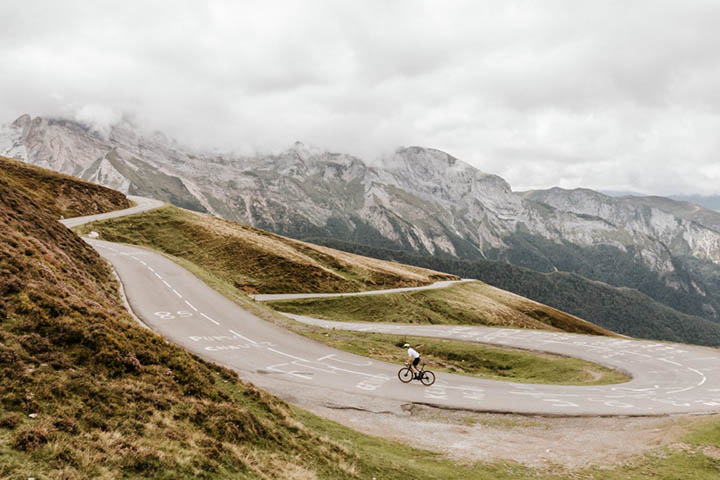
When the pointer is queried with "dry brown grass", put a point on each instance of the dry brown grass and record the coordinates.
(59, 194)
(256, 261)
(471, 303)
(107, 397)
(332, 261)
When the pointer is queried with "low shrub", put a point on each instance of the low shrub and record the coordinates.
(10, 420)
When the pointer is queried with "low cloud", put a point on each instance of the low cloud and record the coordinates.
(100, 118)
(609, 95)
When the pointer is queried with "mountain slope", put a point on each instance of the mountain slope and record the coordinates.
(255, 261)
(88, 393)
(685, 277)
(107, 396)
(417, 199)
(622, 310)
(471, 303)
(60, 195)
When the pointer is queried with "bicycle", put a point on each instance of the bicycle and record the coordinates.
(426, 377)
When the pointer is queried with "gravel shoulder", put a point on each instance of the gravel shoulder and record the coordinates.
(534, 441)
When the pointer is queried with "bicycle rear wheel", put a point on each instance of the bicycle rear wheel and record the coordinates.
(405, 375)
(428, 378)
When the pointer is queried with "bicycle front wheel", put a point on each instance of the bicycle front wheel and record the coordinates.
(405, 375)
(428, 378)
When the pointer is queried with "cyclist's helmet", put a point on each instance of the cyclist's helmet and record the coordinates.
(407, 345)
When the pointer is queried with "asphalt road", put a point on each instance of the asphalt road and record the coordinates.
(142, 204)
(267, 297)
(667, 378)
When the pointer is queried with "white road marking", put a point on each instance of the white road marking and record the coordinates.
(435, 393)
(274, 368)
(287, 355)
(177, 293)
(463, 388)
(157, 275)
(167, 284)
(702, 381)
(561, 403)
(368, 386)
(241, 336)
(537, 394)
(366, 363)
(216, 323)
(191, 305)
(362, 374)
(704, 378)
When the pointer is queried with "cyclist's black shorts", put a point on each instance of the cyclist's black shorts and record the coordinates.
(416, 361)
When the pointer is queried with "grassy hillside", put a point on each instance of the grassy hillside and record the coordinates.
(60, 195)
(86, 393)
(622, 310)
(473, 303)
(89, 394)
(694, 457)
(472, 359)
(256, 261)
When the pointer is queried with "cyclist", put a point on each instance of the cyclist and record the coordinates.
(413, 359)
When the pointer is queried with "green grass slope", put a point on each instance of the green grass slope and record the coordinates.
(471, 359)
(256, 261)
(473, 303)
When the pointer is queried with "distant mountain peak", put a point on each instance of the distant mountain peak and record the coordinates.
(304, 151)
(416, 198)
(22, 121)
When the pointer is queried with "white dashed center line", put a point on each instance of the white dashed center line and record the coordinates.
(216, 323)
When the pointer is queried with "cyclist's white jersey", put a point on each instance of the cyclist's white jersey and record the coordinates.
(413, 353)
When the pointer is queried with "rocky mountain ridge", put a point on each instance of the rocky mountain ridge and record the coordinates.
(417, 199)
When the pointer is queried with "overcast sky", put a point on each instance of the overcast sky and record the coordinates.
(621, 95)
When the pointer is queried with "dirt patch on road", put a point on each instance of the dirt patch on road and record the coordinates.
(533, 441)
